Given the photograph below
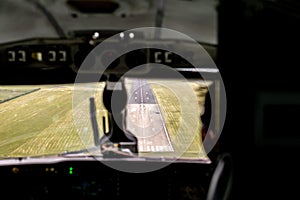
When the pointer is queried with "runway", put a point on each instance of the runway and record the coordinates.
(144, 119)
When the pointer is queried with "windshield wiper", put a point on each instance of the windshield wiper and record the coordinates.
(20, 93)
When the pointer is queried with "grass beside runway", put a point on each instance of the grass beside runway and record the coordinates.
(181, 105)
(42, 123)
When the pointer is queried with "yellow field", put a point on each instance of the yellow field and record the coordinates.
(47, 121)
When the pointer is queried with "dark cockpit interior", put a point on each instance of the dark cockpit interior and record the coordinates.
(149, 99)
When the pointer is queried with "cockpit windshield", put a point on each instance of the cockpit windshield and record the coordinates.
(46, 111)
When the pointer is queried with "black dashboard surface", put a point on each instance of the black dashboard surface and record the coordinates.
(95, 180)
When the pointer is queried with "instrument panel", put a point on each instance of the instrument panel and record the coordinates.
(93, 180)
